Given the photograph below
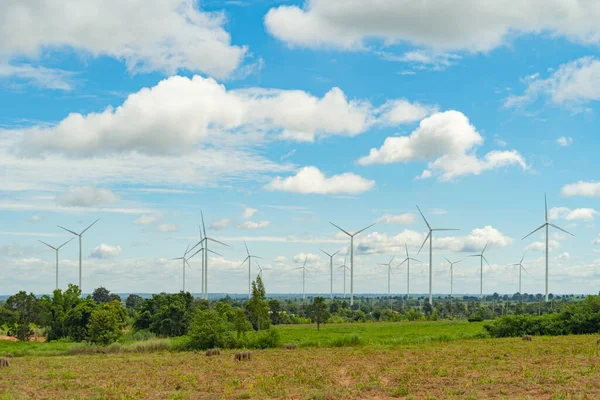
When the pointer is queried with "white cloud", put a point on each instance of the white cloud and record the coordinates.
(426, 174)
(309, 257)
(249, 212)
(220, 224)
(47, 78)
(565, 141)
(572, 84)
(164, 35)
(401, 111)
(469, 25)
(402, 219)
(581, 188)
(541, 246)
(86, 196)
(254, 225)
(310, 180)
(106, 251)
(596, 241)
(422, 59)
(148, 219)
(36, 218)
(449, 140)
(564, 256)
(578, 214)
(165, 228)
(281, 259)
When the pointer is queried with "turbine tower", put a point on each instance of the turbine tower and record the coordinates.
(345, 268)
(452, 277)
(547, 225)
(521, 268)
(80, 235)
(352, 257)
(249, 259)
(430, 237)
(389, 268)
(185, 261)
(481, 258)
(330, 271)
(407, 261)
(56, 249)
(304, 270)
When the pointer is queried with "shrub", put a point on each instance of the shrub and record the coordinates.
(348, 340)
(209, 330)
(104, 327)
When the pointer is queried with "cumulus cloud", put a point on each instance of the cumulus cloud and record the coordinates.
(281, 259)
(163, 35)
(471, 25)
(166, 228)
(86, 196)
(402, 219)
(105, 251)
(541, 246)
(310, 180)
(447, 139)
(564, 256)
(564, 141)
(249, 212)
(578, 214)
(199, 110)
(309, 257)
(220, 224)
(581, 188)
(254, 225)
(148, 219)
(572, 84)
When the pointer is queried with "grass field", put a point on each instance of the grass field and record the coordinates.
(548, 367)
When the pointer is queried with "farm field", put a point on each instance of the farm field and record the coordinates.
(547, 367)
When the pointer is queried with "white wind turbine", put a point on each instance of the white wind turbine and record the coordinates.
(184, 262)
(345, 268)
(547, 225)
(330, 271)
(249, 259)
(304, 270)
(452, 277)
(407, 261)
(521, 268)
(204, 246)
(352, 257)
(481, 258)
(56, 249)
(430, 237)
(389, 268)
(261, 269)
(80, 235)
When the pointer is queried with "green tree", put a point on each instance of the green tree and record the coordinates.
(166, 314)
(257, 307)
(27, 310)
(318, 311)
(77, 319)
(275, 312)
(241, 323)
(104, 327)
(209, 330)
(101, 295)
(56, 309)
(134, 302)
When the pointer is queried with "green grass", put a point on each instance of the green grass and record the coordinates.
(19, 349)
(385, 334)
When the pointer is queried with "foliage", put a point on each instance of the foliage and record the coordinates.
(241, 324)
(166, 314)
(210, 329)
(104, 327)
(26, 310)
(276, 312)
(318, 311)
(134, 302)
(257, 307)
(56, 309)
(77, 320)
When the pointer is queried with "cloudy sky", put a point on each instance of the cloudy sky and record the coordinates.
(274, 118)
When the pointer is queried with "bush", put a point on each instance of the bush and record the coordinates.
(476, 317)
(209, 330)
(267, 339)
(104, 327)
(348, 340)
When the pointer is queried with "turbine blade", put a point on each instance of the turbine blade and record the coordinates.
(524, 269)
(448, 260)
(187, 249)
(534, 232)
(414, 259)
(214, 252)
(200, 232)
(59, 247)
(68, 230)
(340, 229)
(194, 246)
(405, 260)
(260, 258)
(546, 206)
(424, 219)
(52, 247)
(486, 245)
(188, 264)
(247, 251)
(89, 226)
(245, 259)
(364, 229)
(456, 262)
(406, 247)
(202, 248)
(305, 260)
(178, 258)
(561, 229)
(216, 241)
(203, 227)
(486, 261)
(523, 257)
(424, 241)
(445, 229)
(326, 252)
(392, 259)
(335, 253)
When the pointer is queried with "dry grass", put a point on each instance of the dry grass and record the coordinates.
(549, 367)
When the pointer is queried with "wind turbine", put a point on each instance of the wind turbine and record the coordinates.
(56, 249)
(304, 270)
(521, 267)
(452, 277)
(407, 261)
(546, 225)
(389, 268)
(185, 261)
(330, 271)
(249, 259)
(352, 257)
(205, 239)
(345, 268)
(430, 237)
(261, 269)
(80, 236)
(481, 258)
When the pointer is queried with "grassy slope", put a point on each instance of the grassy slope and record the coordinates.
(547, 367)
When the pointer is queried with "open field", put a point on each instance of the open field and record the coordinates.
(548, 367)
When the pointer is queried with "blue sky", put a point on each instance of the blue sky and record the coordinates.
(274, 118)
